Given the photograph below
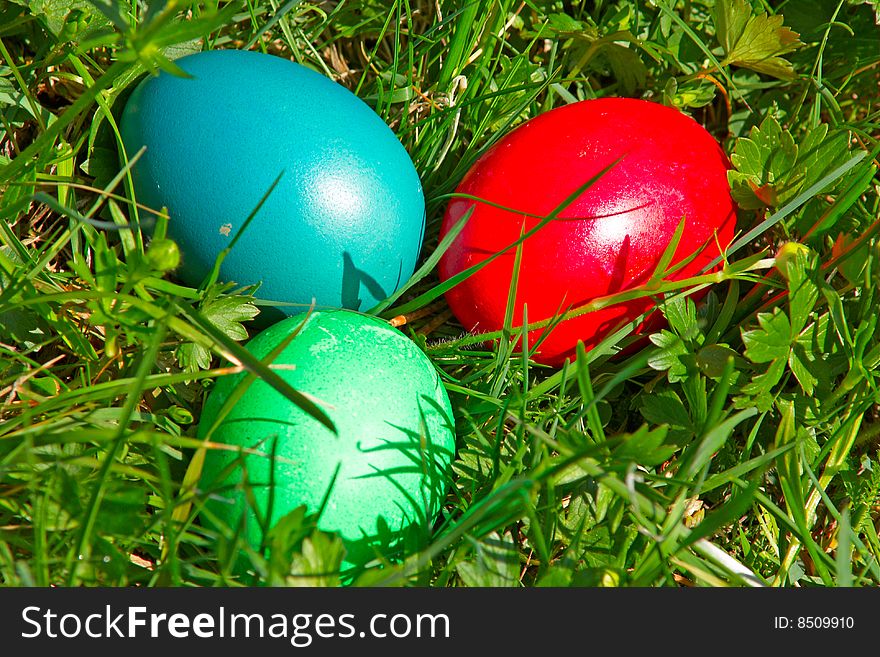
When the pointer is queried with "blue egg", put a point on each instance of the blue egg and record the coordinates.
(344, 225)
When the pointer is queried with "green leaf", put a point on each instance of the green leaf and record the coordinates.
(226, 313)
(563, 24)
(731, 18)
(754, 42)
(712, 359)
(668, 356)
(301, 555)
(771, 169)
(9, 94)
(771, 341)
(764, 162)
(495, 563)
(55, 13)
(802, 290)
(193, 357)
(110, 9)
(681, 313)
(318, 561)
(761, 384)
(795, 205)
(626, 67)
(665, 407)
(854, 265)
(599, 547)
(690, 94)
(645, 447)
(821, 150)
(863, 488)
(802, 366)
(107, 267)
(556, 577)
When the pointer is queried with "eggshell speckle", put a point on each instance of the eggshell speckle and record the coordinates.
(346, 221)
(608, 239)
(394, 445)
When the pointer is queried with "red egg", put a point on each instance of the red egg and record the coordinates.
(609, 239)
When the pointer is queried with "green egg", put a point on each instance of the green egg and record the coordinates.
(381, 478)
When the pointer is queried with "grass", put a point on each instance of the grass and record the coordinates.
(739, 446)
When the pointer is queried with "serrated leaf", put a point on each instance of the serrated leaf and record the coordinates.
(288, 555)
(822, 166)
(802, 290)
(754, 42)
(226, 313)
(780, 147)
(764, 166)
(681, 313)
(193, 357)
(749, 195)
(668, 356)
(691, 94)
(771, 341)
(747, 157)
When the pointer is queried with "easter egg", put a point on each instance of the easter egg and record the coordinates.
(610, 238)
(343, 225)
(379, 481)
